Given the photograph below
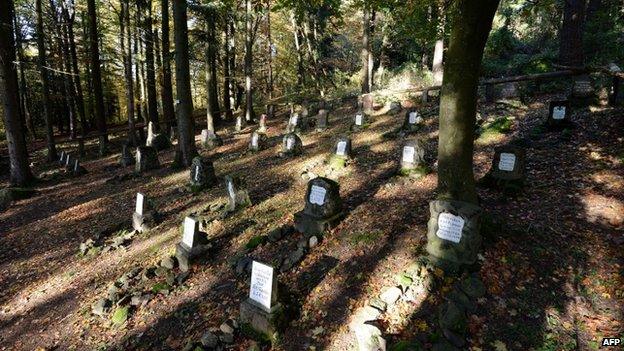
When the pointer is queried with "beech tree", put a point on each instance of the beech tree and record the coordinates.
(20, 173)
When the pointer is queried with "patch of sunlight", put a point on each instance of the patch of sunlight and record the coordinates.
(600, 208)
(608, 180)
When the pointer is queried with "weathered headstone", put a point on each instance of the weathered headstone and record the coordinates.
(559, 114)
(193, 244)
(291, 145)
(360, 121)
(263, 119)
(412, 162)
(238, 197)
(145, 216)
(158, 141)
(146, 159)
(62, 160)
(294, 123)
(582, 91)
(323, 207)
(413, 122)
(394, 107)
(453, 237)
(257, 142)
(322, 120)
(69, 162)
(126, 158)
(261, 310)
(508, 163)
(210, 140)
(77, 169)
(341, 154)
(202, 174)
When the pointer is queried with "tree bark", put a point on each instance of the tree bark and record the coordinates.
(366, 26)
(69, 15)
(438, 52)
(228, 100)
(20, 173)
(148, 40)
(125, 39)
(300, 70)
(23, 85)
(270, 62)
(212, 107)
(571, 34)
(186, 123)
(249, 112)
(47, 103)
(96, 75)
(458, 102)
(167, 89)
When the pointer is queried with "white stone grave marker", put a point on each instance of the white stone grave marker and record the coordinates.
(290, 142)
(254, 140)
(341, 148)
(559, 112)
(450, 227)
(189, 231)
(413, 117)
(261, 288)
(139, 204)
(408, 154)
(507, 162)
(230, 187)
(358, 119)
(317, 195)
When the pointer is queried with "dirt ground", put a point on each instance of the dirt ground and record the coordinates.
(553, 269)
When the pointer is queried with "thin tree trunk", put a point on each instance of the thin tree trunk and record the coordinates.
(300, 71)
(270, 63)
(148, 39)
(438, 52)
(125, 39)
(186, 123)
(458, 102)
(47, 103)
(212, 107)
(249, 112)
(137, 75)
(97, 76)
(366, 88)
(227, 81)
(571, 34)
(20, 174)
(79, 97)
(167, 89)
(89, 105)
(23, 86)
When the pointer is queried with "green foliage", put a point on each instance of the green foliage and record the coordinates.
(255, 242)
(366, 238)
(120, 315)
(405, 345)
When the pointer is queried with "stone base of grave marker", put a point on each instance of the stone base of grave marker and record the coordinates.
(210, 140)
(158, 141)
(508, 163)
(453, 236)
(269, 323)
(186, 255)
(308, 224)
(145, 222)
(202, 174)
(146, 159)
(258, 141)
(291, 145)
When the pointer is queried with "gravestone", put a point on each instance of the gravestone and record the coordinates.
(261, 310)
(238, 197)
(202, 174)
(145, 216)
(62, 160)
(453, 236)
(582, 91)
(294, 123)
(146, 159)
(413, 122)
(341, 154)
(558, 115)
(263, 118)
(323, 207)
(291, 145)
(412, 162)
(210, 140)
(258, 141)
(394, 107)
(69, 162)
(194, 243)
(77, 169)
(126, 158)
(360, 121)
(158, 141)
(322, 120)
(508, 163)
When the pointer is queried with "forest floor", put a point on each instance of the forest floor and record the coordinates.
(553, 270)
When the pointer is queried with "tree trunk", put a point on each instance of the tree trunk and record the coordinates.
(148, 40)
(167, 89)
(125, 39)
(96, 74)
(249, 112)
(438, 52)
(186, 123)
(23, 86)
(212, 106)
(270, 62)
(300, 71)
(366, 24)
(571, 34)
(69, 16)
(458, 102)
(47, 103)
(227, 81)
(89, 105)
(20, 174)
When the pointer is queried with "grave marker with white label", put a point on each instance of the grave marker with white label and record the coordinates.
(202, 174)
(261, 310)
(450, 227)
(412, 159)
(341, 154)
(508, 164)
(412, 123)
(146, 159)
(263, 287)
(238, 197)
(145, 217)
(291, 145)
(193, 243)
(323, 207)
(559, 115)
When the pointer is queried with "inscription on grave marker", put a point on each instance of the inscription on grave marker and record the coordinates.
(507, 162)
(559, 112)
(139, 204)
(341, 148)
(408, 154)
(358, 119)
(261, 287)
(189, 232)
(317, 195)
(450, 227)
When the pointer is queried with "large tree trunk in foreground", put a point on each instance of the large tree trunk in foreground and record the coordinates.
(167, 88)
(186, 124)
(47, 103)
(458, 102)
(96, 75)
(571, 34)
(18, 154)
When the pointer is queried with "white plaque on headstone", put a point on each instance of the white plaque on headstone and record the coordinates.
(254, 140)
(290, 142)
(196, 173)
(559, 112)
(408, 154)
(189, 232)
(230, 187)
(139, 204)
(450, 227)
(293, 120)
(317, 195)
(412, 117)
(76, 166)
(261, 287)
(341, 148)
(358, 119)
(507, 162)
